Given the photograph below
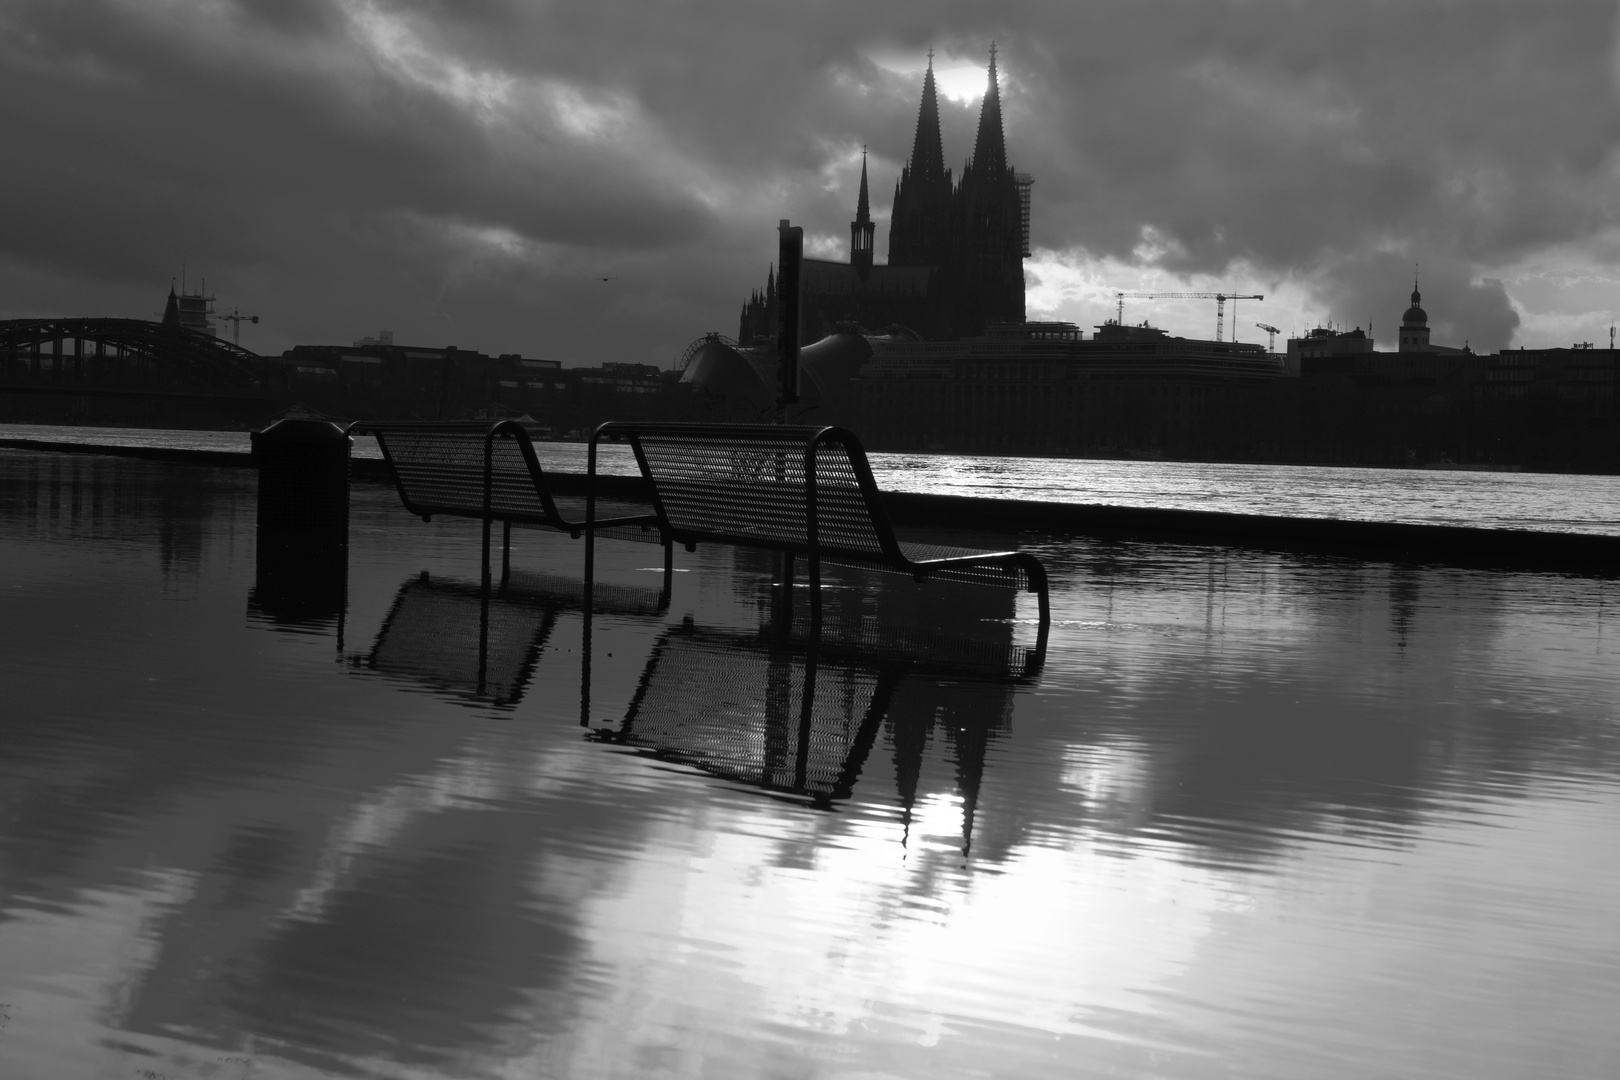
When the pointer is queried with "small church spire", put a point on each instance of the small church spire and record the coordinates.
(862, 230)
(863, 204)
(171, 311)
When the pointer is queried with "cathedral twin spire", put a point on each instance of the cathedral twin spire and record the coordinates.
(923, 215)
(927, 162)
(990, 145)
(967, 239)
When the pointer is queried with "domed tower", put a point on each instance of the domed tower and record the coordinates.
(1415, 324)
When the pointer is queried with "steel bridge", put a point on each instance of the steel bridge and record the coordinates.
(129, 355)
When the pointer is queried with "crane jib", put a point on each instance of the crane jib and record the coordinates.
(1220, 299)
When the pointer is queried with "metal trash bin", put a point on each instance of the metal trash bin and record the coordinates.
(303, 477)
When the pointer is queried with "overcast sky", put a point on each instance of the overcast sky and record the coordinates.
(467, 171)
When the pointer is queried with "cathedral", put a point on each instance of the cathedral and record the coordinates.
(956, 250)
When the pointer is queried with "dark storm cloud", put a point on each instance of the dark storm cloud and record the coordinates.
(1312, 140)
(465, 171)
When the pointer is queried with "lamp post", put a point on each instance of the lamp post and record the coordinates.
(790, 252)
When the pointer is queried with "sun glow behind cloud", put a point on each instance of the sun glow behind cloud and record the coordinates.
(964, 84)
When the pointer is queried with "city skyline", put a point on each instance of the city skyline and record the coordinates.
(579, 186)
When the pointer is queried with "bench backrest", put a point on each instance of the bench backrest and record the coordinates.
(439, 467)
(758, 484)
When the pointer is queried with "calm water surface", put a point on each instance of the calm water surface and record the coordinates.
(1251, 815)
(1539, 501)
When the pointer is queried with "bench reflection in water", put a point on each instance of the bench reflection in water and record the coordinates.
(482, 645)
(796, 710)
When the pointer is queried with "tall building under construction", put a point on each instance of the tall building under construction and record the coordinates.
(956, 247)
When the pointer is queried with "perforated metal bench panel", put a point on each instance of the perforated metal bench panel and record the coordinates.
(751, 488)
(439, 469)
(759, 485)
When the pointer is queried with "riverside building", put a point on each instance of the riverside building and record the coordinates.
(1044, 388)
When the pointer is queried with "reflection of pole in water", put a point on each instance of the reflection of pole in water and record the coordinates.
(1404, 589)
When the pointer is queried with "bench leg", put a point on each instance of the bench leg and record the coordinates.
(1038, 585)
(782, 598)
(585, 662)
(485, 562)
(669, 568)
(590, 564)
(483, 638)
(807, 715)
(815, 591)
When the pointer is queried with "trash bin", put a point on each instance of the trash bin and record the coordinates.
(303, 477)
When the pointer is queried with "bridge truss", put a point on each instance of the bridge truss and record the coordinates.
(129, 354)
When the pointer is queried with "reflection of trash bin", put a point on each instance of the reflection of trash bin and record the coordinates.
(303, 477)
(300, 580)
(303, 534)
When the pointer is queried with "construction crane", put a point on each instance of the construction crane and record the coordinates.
(1219, 298)
(236, 319)
(1273, 331)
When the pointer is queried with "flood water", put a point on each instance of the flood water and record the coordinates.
(1248, 815)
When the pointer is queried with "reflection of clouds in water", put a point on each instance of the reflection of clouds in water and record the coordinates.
(1111, 781)
(489, 776)
(65, 970)
(848, 948)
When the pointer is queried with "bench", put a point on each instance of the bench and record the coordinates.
(489, 472)
(804, 491)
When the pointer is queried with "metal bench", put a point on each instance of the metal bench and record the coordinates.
(490, 472)
(804, 491)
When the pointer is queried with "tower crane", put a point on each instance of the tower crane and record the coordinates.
(1273, 331)
(1220, 299)
(236, 319)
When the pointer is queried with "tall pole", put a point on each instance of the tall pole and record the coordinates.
(790, 252)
